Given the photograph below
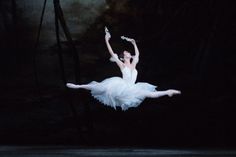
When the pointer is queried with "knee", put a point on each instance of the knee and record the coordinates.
(152, 94)
(149, 94)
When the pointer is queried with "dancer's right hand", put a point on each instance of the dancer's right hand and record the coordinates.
(108, 35)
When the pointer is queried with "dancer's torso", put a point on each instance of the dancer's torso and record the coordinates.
(129, 75)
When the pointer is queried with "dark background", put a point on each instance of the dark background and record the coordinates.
(186, 44)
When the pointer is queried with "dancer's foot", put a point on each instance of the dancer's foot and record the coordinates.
(71, 85)
(172, 92)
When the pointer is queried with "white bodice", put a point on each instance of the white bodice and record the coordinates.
(129, 75)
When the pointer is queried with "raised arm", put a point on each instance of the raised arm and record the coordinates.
(136, 56)
(113, 55)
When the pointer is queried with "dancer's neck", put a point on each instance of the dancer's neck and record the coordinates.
(127, 62)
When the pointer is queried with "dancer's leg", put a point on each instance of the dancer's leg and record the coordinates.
(157, 94)
(84, 86)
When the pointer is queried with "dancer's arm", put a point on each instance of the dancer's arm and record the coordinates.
(136, 56)
(113, 55)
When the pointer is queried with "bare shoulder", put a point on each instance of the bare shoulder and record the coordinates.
(122, 66)
(133, 68)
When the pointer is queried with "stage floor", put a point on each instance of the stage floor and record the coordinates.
(74, 151)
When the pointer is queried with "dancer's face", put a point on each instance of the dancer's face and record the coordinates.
(127, 55)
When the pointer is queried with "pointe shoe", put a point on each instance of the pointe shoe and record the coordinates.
(172, 92)
(71, 85)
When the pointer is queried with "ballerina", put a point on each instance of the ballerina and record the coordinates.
(123, 91)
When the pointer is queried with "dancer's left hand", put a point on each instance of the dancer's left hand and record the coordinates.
(107, 34)
(128, 39)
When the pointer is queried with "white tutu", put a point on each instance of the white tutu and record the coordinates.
(123, 92)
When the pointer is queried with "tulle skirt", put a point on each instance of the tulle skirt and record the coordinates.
(115, 91)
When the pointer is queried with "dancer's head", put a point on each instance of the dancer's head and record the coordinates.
(125, 56)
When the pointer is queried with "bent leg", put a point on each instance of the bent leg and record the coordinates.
(158, 94)
(84, 86)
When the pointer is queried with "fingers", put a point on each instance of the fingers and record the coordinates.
(127, 39)
(106, 30)
(124, 38)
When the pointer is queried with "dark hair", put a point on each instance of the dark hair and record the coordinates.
(121, 55)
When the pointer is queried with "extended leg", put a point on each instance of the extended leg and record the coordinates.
(158, 94)
(84, 86)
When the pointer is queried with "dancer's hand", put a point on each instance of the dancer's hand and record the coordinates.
(107, 35)
(128, 39)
